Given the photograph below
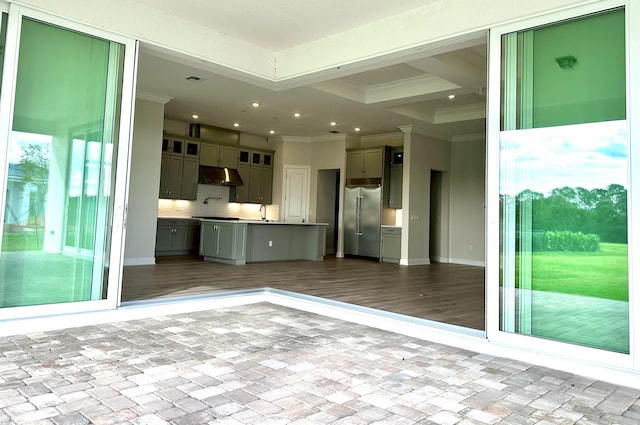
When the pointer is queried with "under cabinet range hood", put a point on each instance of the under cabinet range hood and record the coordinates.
(219, 176)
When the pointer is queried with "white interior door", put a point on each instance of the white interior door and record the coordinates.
(296, 194)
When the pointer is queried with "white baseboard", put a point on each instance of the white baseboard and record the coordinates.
(139, 261)
(466, 262)
(414, 262)
(440, 260)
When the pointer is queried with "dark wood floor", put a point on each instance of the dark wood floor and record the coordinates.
(447, 293)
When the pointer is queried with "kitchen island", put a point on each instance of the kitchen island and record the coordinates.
(245, 241)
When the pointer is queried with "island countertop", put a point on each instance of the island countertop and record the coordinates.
(266, 222)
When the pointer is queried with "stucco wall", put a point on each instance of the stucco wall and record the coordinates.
(398, 35)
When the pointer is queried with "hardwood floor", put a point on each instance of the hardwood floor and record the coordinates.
(447, 293)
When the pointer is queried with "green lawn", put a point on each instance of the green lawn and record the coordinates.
(602, 274)
(25, 241)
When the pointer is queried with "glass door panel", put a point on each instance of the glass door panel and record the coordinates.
(60, 151)
(563, 183)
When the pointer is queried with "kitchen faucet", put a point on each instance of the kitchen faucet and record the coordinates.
(264, 213)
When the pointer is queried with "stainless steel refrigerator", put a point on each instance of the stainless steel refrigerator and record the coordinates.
(362, 220)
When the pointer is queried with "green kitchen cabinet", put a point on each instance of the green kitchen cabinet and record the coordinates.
(177, 236)
(391, 242)
(365, 163)
(223, 242)
(179, 168)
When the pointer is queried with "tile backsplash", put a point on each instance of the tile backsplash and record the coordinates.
(217, 205)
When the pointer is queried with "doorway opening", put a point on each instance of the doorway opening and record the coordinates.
(327, 203)
(438, 223)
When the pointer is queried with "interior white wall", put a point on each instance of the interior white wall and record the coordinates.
(467, 201)
(177, 128)
(289, 153)
(144, 181)
(421, 155)
(329, 154)
(255, 141)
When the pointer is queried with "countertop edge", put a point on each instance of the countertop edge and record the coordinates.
(260, 222)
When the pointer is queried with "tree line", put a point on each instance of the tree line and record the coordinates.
(602, 212)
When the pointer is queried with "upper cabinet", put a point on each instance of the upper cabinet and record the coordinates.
(395, 179)
(256, 169)
(179, 168)
(218, 155)
(180, 147)
(218, 146)
(365, 163)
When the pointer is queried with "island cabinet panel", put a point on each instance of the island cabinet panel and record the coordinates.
(240, 242)
(269, 243)
(223, 242)
(278, 242)
(309, 242)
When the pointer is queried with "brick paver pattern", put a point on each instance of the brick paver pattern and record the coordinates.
(266, 364)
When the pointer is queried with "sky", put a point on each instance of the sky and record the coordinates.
(592, 155)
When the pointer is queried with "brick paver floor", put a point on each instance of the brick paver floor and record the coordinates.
(265, 364)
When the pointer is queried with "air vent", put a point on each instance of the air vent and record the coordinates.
(194, 78)
(334, 131)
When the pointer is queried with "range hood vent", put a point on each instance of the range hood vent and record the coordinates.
(219, 176)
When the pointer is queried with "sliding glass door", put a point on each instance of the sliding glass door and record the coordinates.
(62, 143)
(563, 181)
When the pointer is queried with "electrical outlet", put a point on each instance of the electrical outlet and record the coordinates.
(270, 244)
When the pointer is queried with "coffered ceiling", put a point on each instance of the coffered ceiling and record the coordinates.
(415, 91)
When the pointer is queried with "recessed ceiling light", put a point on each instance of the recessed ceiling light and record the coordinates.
(356, 129)
(333, 123)
(452, 96)
(195, 116)
(255, 104)
(236, 124)
(272, 132)
(297, 115)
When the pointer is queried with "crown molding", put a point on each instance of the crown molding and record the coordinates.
(385, 137)
(152, 97)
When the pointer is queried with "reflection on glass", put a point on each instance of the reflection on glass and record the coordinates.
(60, 151)
(563, 183)
(564, 233)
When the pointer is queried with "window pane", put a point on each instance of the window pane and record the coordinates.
(3, 40)
(563, 188)
(55, 240)
(568, 73)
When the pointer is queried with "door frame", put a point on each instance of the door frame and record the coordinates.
(117, 225)
(534, 344)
